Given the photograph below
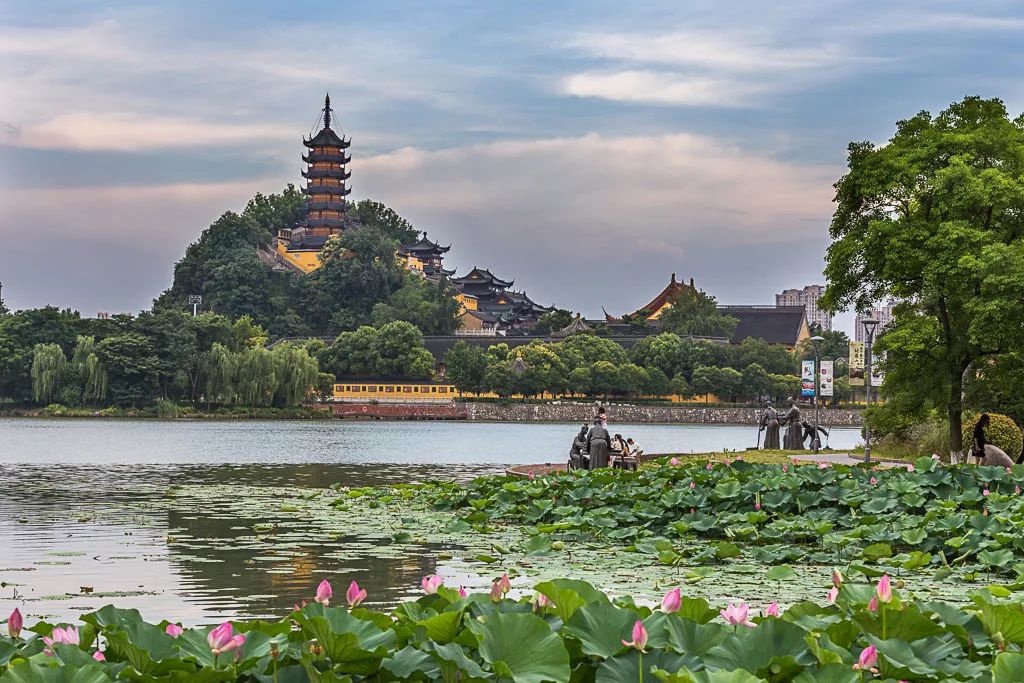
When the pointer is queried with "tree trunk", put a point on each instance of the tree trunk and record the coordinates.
(955, 411)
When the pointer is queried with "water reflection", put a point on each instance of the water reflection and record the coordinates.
(76, 538)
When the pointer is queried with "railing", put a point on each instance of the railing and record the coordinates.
(492, 332)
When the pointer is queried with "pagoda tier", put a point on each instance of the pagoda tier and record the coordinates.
(328, 158)
(337, 173)
(313, 205)
(327, 189)
(326, 222)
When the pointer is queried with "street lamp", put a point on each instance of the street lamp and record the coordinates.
(870, 324)
(817, 381)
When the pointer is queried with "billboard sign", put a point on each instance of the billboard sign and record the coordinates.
(807, 378)
(826, 379)
(856, 364)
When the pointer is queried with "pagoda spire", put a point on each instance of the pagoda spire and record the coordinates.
(327, 111)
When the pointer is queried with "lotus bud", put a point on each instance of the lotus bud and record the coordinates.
(220, 639)
(672, 601)
(504, 584)
(542, 601)
(14, 623)
(173, 630)
(324, 593)
(693, 484)
(832, 595)
(99, 656)
(354, 595)
(495, 592)
(985, 492)
(868, 658)
(873, 604)
(773, 610)
(639, 637)
(462, 592)
(674, 462)
(884, 590)
(837, 578)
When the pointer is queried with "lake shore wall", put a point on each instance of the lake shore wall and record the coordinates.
(710, 414)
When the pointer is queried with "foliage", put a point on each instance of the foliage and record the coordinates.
(378, 216)
(693, 311)
(394, 350)
(48, 363)
(466, 366)
(552, 321)
(575, 633)
(1001, 432)
(932, 219)
(929, 516)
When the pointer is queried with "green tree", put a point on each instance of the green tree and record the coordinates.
(218, 372)
(633, 379)
(552, 321)
(271, 213)
(48, 363)
(933, 219)
(754, 382)
(705, 380)
(604, 378)
(580, 381)
(255, 377)
(132, 368)
(296, 372)
(774, 358)
(466, 366)
(694, 312)
(247, 334)
(388, 221)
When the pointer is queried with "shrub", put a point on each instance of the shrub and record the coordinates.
(1002, 432)
(166, 409)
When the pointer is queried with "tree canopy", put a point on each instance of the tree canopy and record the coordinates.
(935, 220)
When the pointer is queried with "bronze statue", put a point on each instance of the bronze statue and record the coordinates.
(770, 427)
(794, 439)
(813, 434)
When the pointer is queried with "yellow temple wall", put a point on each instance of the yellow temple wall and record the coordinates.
(307, 261)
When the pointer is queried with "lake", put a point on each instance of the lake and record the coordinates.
(203, 520)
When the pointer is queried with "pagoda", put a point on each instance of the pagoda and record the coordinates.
(325, 192)
(426, 258)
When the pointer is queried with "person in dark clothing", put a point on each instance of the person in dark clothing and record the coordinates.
(577, 456)
(978, 443)
(599, 440)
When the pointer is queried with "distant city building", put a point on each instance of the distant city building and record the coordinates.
(882, 314)
(808, 298)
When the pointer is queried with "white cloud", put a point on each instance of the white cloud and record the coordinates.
(659, 87)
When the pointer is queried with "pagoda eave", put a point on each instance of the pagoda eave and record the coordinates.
(333, 158)
(337, 174)
(327, 189)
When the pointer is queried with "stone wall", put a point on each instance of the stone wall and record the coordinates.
(584, 412)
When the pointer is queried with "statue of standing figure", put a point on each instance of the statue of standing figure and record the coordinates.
(770, 427)
(794, 439)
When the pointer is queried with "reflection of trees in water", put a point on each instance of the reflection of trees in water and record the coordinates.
(220, 555)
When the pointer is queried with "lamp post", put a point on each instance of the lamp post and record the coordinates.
(869, 331)
(815, 340)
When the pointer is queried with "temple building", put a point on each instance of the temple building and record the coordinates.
(785, 325)
(425, 257)
(326, 194)
(491, 307)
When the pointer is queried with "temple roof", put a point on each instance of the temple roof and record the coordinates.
(786, 325)
(653, 309)
(577, 326)
(424, 246)
(479, 275)
(327, 137)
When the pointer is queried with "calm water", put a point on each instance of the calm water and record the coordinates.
(185, 520)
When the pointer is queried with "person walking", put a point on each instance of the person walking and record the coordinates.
(978, 442)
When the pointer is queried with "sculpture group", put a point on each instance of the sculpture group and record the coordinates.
(797, 430)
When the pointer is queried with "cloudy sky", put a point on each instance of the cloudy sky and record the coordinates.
(586, 149)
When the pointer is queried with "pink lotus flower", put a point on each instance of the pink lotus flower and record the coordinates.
(822, 465)
(542, 601)
(832, 595)
(935, 456)
(173, 630)
(910, 468)
(867, 660)
(639, 637)
(693, 484)
(674, 462)
(355, 595)
(873, 604)
(873, 481)
(223, 639)
(773, 610)
(324, 593)
(66, 636)
(985, 492)
(785, 468)
(431, 583)
(757, 506)
(530, 475)
(99, 656)
(837, 578)
(495, 592)
(884, 590)
(672, 601)
(1016, 490)
(737, 615)
(14, 623)
(504, 584)
(710, 465)
(462, 592)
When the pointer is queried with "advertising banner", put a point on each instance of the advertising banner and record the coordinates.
(807, 378)
(877, 374)
(856, 364)
(826, 380)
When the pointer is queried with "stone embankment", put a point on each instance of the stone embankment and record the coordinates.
(584, 412)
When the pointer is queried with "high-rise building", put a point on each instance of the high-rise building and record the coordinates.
(808, 298)
(883, 314)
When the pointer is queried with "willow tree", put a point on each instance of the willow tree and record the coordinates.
(255, 377)
(935, 220)
(94, 379)
(48, 363)
(218, 370)
(296, 372)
